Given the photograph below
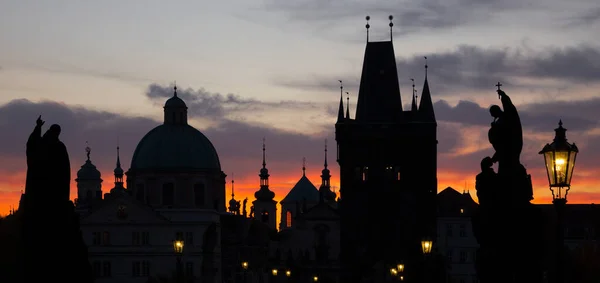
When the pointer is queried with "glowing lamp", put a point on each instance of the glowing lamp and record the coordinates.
(400, 267)
(178, 246)
(393, 272)
(244, 265)
(288, 273)
(426, 245)
(401, 277)
(315, 278)
(559, 157)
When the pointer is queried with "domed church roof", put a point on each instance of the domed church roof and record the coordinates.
(88, 171)
(175, 144)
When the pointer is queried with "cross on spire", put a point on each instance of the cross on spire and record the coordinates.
(264, 164)
(391, 25)
(325, 153)
(498, 85)
(175, 88)
(232, 191)
(303, 166)
(367, 26)
(426, 67)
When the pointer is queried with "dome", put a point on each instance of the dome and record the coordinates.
(175, 146)
(88, 172)
(175, 102)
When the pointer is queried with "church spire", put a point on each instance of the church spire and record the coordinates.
(341, 107)
(233, 204)
(325, 193)
(264, 194)
(118, 170)
(347, 105)
(413, 107)
(303, 166)
(426, 104)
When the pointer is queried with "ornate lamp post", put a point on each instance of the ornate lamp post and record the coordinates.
(426, 245)
(559, 157)
(245, 269)
(178, 248)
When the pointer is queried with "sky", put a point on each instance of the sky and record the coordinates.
(269, 69)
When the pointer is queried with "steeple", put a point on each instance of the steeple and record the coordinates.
(303, 166)
(233, 204)
(379, 93)
(175, 110)
(325, 193)
(413, 107)
(264, 194)
(426, 105)
(341, 108)
(118, 170)
(347, 105)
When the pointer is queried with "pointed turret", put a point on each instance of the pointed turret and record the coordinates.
(426, 112)
(119, 188)
(413, 107)
(341, 108)
(233, 204)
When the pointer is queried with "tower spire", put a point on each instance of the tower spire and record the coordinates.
(341, 107)
(391, 26)
(368, 26)
(118, 171)
(264, 163)
(303, 166)
(232, 189)
(264, 194)
(347, 105)
(325, 164)
(175, 89)
(426, 104)
(414, 98)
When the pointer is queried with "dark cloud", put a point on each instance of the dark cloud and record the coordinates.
(205, 104)
(411, 16)
(586, 18)
(469, 68)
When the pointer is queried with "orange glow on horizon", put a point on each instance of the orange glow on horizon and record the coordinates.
(584, 186)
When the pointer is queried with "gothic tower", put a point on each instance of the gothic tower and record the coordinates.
(264, 205)
(388, 170)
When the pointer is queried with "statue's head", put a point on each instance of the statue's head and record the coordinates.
(486, 163)
(53, 132)
(496, 111)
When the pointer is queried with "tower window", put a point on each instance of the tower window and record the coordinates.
(199, 194)
(168, 194)
(398, 173)
(264, 216)
(288, 219)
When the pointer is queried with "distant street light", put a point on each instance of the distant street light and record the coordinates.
(559, 157)
(178, 248)
(426, 245)
(274, 272)
(245, 265)
(288, 273)
(315, 278)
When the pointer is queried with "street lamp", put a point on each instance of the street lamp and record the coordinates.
(178, 248)
(245, 269)
(559, 157)
(400, 267)
(315, 278)
(288, 273)
(274, 272)
(245, 265)
(426, 245)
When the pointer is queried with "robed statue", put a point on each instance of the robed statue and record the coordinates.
(46, 203)
(506, 225)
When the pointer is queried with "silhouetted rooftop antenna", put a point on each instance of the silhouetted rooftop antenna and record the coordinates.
(88, 150)
(391, 26)
(264, 164)
(347, 105)
(303, 166)
(368, 26)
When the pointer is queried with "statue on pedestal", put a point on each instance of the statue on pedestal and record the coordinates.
(506, 225)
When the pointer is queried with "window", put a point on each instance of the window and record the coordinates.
(199, 193)
(97, 266)
(264, 216)
(449, 230)
(189, 238)
(463, 257)
(450, 255)
(140, 192)
(463, 230)
(189, 269)
(135, 238)
(105, 238)
(288, 219)
(145, 238)
(145, 268)
(168, 194)
(106, 272)
(96, 239)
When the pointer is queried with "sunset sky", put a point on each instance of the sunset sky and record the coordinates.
(254, 69)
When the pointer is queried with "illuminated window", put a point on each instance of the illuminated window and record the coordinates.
(389, 168)
(462, 211)
(288, 219)
(264, 216)
(365, 172)
(398, 173)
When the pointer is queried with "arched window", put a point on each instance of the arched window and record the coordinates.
(199, 194)
(264, 216)
(168, 194)
(140, 192)
(288, 219)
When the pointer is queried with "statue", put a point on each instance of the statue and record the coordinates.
(244, 206)
(47, 163)
(47, 200)
(506, 225)
(252, 211)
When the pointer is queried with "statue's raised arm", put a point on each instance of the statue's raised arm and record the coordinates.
(506, 133)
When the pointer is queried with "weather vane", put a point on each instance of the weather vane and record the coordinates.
(88, 150)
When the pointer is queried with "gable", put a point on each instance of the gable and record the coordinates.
(123, 210)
